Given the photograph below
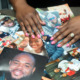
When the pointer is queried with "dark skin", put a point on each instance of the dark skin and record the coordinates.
(29, 19)
(72, 26)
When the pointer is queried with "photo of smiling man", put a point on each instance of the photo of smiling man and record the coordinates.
(21, 65)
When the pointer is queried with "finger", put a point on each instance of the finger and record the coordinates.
(58, 33)
(33, 25)
(29, 28)
(60, 37)
(38, 25)
(59, 27)
(23, 28)
(76, 38)
(68, 38)
(65, 24)
(38, 17)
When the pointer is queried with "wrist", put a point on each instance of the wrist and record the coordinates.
(17, 4)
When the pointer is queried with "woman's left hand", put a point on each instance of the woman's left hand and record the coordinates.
(70, 32)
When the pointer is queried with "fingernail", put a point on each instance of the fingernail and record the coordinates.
(51, 38)
(44, 22)
(59, 45)
(53, 42)
(33, 36)
(57, 26)
(38, 36)
(26, 34)
(67, 45)
(42, 32)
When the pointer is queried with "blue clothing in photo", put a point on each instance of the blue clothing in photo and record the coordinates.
(53, 51)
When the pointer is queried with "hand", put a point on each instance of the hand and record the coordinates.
(29, 20)
(70, 32)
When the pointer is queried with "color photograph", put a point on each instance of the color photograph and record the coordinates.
(19, 65)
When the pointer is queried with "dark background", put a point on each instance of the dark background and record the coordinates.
(46, 3)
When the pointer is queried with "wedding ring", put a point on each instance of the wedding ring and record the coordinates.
(72, 34)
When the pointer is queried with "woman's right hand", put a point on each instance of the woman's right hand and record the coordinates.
(29, 20)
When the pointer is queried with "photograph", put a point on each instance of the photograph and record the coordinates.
(51, 19)
(64, 11)
(19, 65)
(9, 24)
(64, 68)
(5, 40)
(39, 40)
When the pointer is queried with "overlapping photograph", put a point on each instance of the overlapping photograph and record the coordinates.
(39, 49)
(20, 65)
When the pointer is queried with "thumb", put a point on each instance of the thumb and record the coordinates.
(63, 25)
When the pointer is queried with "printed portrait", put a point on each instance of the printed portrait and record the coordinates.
(19, 65)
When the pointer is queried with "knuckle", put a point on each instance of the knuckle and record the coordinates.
(35, 29)
(60, 31)
(60, 37)
(37, 23)
(76, 38)
(32, 25)
(27, 25)
(28, 28)
(71, 42)
(66, 40)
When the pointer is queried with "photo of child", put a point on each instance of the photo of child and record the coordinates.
(53, 51)
(9, 24)
(37, 46)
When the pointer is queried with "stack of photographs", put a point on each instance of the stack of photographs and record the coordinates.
(27, 58)
(65, 68)
(8, 27)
